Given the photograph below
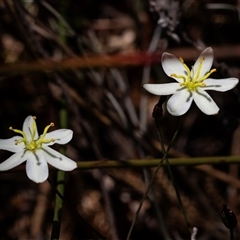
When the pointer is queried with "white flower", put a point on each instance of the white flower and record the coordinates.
(191, 84)
(34, 149)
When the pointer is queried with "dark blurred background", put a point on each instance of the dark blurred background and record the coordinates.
(110, 115)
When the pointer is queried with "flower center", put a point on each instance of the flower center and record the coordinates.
(30, 142)
(192, 80)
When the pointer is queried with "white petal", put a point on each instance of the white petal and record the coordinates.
(205, 103)
(30, 128)
(9, 144)
(179, 102)
(172, 65)
(220, 85)
(60, 136)
(13, 161)
(207, 54)
(36, 167)
(58, 160)
(162, 89)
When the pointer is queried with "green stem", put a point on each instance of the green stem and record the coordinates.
(140, 163)
(231, 234)
(151, 182)
(58, 206)
(171, 174)
(59, 188)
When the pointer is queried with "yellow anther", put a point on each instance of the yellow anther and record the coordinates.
(10, 128)
(34, 117)
(181, 60)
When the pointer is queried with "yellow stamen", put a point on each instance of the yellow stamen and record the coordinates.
(18, 131)
(41, 139)
(207, 75)
(196, 76)
(185, 66)
(181, 60)
(193, 82)
(32, 144)
(179, 76)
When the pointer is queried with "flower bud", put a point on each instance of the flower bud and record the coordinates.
(157, 113)
(228, 217)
